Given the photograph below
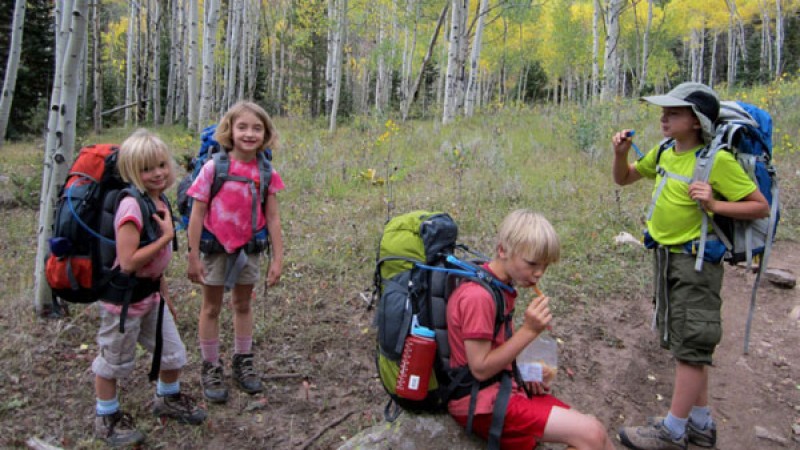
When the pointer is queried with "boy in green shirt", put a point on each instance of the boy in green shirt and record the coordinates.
(688, 303)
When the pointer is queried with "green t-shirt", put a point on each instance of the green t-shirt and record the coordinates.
(677, 218)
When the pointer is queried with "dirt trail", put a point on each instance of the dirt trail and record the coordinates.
(623, 377)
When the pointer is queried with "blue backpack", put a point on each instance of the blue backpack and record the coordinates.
(211, 149)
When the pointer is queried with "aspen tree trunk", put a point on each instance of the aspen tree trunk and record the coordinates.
(409, 48)
(64, 136)
(12, 64)
(472, 84)
(696, 51)
(331, 48)
(404, 107)
(182, 55)
(235, 51)
(454, 63)
(765, 56)
(209, 43)
(61, 13)
(381, 71)
(779, 38)
(155, 44)
(336, 69)
(133, 33)
(731, 75)
(712, 71)
(597, 11)
(646, 46)
(611, 58)
(97, 71)
(175, 31)
(192, 87)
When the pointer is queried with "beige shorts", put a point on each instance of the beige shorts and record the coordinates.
(117, 351)
(216, 263)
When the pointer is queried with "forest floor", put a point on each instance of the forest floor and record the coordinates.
(315, 348)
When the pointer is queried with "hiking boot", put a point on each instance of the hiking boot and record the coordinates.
(117, 430)
(213, 379)
(245, 375)
(180, 407)
(701, 437)
(651, 437)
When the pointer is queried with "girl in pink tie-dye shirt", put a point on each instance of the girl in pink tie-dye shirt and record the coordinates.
(229, 255)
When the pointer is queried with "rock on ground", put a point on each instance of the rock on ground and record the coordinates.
(415, 432)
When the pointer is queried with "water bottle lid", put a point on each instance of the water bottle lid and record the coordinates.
(419, 330)
(423, 332)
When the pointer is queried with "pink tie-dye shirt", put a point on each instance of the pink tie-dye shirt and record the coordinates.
(229, 214)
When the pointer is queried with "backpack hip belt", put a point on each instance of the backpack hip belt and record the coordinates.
(257, 244)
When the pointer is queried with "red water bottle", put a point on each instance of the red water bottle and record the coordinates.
(416, 363)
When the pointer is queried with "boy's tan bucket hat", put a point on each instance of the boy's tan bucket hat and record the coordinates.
(701, 98)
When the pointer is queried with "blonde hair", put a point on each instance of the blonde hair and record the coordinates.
(224, 132)
(142, 150)
(528, 234)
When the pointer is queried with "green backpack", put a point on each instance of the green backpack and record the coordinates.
(415, 272)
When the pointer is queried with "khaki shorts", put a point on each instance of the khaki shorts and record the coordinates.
(117, 351)
(693, 310)
(216, 263)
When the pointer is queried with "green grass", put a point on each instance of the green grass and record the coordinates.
(552, 159)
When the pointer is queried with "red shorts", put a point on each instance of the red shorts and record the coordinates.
(524, 423)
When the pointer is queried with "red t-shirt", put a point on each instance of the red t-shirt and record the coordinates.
(471, 314)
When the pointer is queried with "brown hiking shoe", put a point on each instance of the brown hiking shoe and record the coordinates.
(213, 379)
(651, 437)
(245, 375)
(117, 430)
(180, 407)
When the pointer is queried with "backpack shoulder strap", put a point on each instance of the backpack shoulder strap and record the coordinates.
(147, 207)
(265, 174)
(222, 167)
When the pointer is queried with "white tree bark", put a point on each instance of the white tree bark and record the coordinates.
(780, 35)
(612, 60)
(336, 69)
(209, 44)
(64, 135)
(61, 13)
(192, 87)
(381, 72)
(646, 46)
(155, 44)
(405, 106)
(175, 38)
(472, 84)
(696, 51)
(235, 51)
(133, 13)
(17, 26)
(97, 71)
(455, 66)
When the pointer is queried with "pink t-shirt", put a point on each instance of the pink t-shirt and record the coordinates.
(129, 211)
(471, 315)
(229, 214)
